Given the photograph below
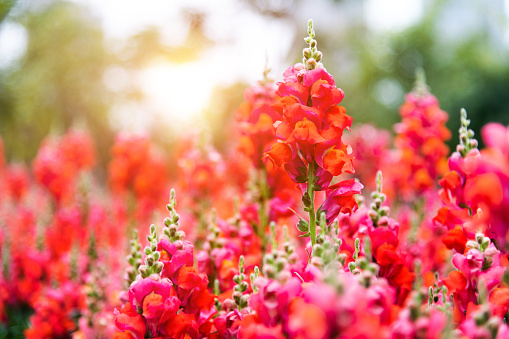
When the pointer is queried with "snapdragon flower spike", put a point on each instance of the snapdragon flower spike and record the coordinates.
(253, 277)
(309, 132)
(152, 265)
(240, 297)
(457, 182)
(74, 269)
(326, 249)
(95, 296)
(206, 256)
(482, 322)
(171, 230)
(255, 118)
(6, 257)
(352, 266)
(276, 262)
(467, 140)
(379, 213)
(479, 274)
(134, 259)
(438, 294)
(312, 56)
(420, 140)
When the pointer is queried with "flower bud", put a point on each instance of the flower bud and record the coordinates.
(292, 258)
(227, 304)
(384, 221)
(384, 210)
(366, 276)
(493, 324)
(244, 299)
(318, 56)
(302, 225)
(269, 270)
(236, 295)
(307, 53)
(143, 269)
(374, 268)
(472, 245)
(317, 261)
(281, 263)
(317, 250)
(491, 251)
(157, 255)
(284, 276)
(244, 286)
(352, 266)
(311, 64)
(155, 277)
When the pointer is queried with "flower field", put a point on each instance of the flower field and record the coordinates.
(307, 226)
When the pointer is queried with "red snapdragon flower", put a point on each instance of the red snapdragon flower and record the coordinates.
(130, 323)
(420, 141)
(138, 167)
(60, 160)
(255, 118)
(310, 123)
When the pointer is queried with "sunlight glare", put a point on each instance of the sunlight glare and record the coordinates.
(177, 92)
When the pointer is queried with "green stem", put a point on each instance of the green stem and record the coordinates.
(262, 181)
(311, 193)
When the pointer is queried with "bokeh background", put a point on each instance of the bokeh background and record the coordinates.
(169, 67)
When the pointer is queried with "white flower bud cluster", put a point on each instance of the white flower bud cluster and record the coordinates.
(312, 56)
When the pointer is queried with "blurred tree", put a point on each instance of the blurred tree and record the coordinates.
(468, 71)
(58, 82)
(148, 44)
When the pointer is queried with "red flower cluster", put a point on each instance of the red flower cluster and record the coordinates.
(60, 160)
(311, 126)
(137, 167)
(420, 140)
(54, 313)
(169, 297)
(255, 118)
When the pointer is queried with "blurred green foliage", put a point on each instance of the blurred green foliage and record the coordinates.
(17, 320)
(471, 71)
